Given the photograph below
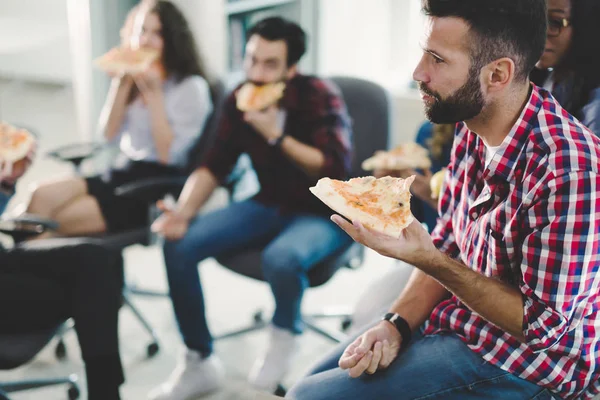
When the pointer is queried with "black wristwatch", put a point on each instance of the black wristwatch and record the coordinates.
(276, 142)
(401, 325)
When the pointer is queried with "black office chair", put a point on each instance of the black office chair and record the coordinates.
(369, 107)
(149, 190)
(16, 350)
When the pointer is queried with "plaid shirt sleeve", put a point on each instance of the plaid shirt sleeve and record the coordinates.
(224, 152)
(330, 131)
(561, 262)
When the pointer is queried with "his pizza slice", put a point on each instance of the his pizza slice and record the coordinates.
(125, 60)
(251, 97)
(405, 156)
(380, 204)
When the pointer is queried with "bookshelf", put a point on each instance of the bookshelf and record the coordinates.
(242, 14)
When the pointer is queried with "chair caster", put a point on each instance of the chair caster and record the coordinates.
(258, 317)
(280, 391)
(73, 393)
(152, 349)
(346, 323)
(61, 350)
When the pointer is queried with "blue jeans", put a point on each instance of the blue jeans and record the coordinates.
(432, 367)
(294, 244)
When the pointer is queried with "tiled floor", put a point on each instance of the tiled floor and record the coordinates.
(231, 299)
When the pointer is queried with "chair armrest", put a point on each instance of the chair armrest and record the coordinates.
(77, 152)
(152, 189)
(26, 226)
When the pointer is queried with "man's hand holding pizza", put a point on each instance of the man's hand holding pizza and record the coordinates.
(414, 245)
(265, 122)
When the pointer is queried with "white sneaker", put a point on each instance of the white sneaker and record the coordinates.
(269, 370)
(193, 377)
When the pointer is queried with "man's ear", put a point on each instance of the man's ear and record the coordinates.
(499, 74)
(292, 71)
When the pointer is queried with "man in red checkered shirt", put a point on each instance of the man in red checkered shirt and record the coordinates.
(506, 288)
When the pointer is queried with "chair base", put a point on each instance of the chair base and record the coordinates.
(134, 289)
(259, 322)
(151, 349)
(10, 387)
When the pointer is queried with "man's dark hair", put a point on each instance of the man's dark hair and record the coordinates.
(499, 28)
(276, 28)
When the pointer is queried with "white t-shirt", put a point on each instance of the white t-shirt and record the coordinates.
(490, 151)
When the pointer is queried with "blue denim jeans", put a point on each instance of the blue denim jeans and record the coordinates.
(431, 367)
(294, 244)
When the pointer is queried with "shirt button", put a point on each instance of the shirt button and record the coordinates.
(474, 215)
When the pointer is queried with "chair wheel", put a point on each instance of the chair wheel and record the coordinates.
(61, 350)
(346, 323)
(152, 349)
(73, 393)
(258, 317)
(280, 391)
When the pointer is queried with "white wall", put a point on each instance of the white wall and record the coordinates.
(208, 23)
(376, 40)
(34, 41)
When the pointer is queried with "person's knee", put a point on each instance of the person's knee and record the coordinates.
(39, 199)
(304, 390)
(281, 265)
(99, 266)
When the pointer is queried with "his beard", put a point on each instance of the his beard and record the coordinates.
(464, 104)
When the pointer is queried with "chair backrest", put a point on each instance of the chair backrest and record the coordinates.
(370, 108)
(17, 349)
(205, 141)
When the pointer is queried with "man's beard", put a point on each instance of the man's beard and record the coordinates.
(465, 103)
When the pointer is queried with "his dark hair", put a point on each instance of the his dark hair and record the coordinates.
(277, 28)
(500, 28)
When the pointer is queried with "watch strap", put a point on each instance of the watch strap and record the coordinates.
(401, 325)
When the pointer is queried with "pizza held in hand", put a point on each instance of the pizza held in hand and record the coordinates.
(251, 97)
(126, 60)
(15, 146)
(405, 156)
(380, 204)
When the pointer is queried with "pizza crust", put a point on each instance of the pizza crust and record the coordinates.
(390, 192)
(124, 60)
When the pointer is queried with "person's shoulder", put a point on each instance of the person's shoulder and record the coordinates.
(311, 85)
(566, 142)
(194, 83)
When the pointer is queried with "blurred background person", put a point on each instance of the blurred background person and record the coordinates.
(156, 116)
(44, 283)
(570, 65)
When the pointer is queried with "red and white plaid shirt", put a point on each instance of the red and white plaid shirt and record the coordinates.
(531, 219)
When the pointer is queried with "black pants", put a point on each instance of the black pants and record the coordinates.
(43, 283)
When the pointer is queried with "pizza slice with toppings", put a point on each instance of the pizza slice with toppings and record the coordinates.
(126, 60)
(380, 204)
(251, 97)
(405, 156)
